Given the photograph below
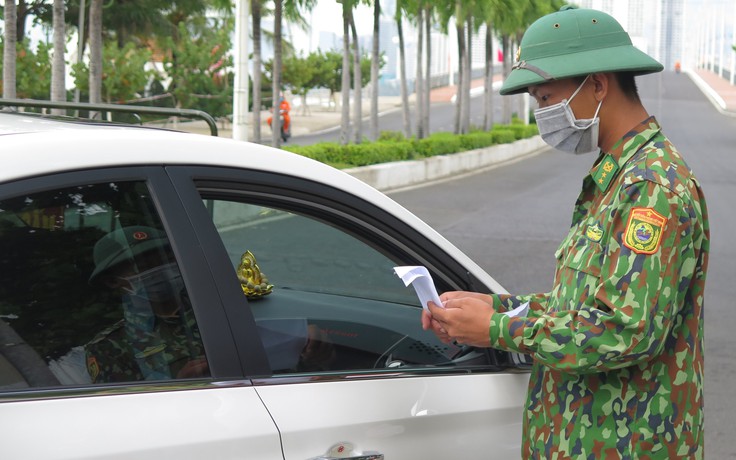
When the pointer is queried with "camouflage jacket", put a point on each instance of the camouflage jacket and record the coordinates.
(618, 343)
(143, 347)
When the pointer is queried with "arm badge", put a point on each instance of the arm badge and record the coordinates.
(644, 231)
(93, 368)
(594, 233)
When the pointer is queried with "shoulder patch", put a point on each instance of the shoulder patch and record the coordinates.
(644, 230)
(93, 368)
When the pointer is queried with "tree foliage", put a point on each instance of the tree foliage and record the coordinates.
(319, 70)
(33, 70)
(197, 64)
(196, 70)
(124, 76)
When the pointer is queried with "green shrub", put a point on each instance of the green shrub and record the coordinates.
(439, 144)
(531, 130)
(391, 136)
(377, 152)
(477, 140)
(503, 136)
(520, 130)
(400, 151)
(393, 146)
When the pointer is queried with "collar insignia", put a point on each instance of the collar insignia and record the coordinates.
(605, 172)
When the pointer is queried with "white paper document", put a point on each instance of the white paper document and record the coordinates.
(419, 277)
(521, 310)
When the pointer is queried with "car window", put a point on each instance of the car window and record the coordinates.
(323, 298)
(91, 292)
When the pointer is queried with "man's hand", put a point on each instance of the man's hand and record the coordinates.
(318, 353)
(465, 320)
(197, 367)
(451, 295)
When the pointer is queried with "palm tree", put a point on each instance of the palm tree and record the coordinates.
(345, 116)
(288, 9)
(507, 25)
(58, 89)
(467, 76)
(406, 119)
(488, 79)
(447, 12)
(95, 51)
(375, 56)
(357, 85)
(21, 13)
(9, 50)
(492, 12)
(511, 26)
(276, 73)
(419, 83)
(428, 67)
(255, 8)
(461, 68)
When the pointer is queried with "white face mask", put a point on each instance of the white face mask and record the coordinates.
(560, 129)
(158, 284)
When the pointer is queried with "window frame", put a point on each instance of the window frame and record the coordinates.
(208, 309)
(334, 207)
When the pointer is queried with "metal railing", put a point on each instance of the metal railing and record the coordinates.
(112, 108)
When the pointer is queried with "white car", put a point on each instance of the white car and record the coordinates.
(172, 295)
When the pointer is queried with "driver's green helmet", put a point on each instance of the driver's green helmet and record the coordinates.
(574, 42)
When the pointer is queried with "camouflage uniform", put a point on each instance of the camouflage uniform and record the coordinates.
(143, 347)
(618, 342)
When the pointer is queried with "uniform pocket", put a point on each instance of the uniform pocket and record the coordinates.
(578, 271)
(583, 255)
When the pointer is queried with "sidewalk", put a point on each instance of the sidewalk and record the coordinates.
(319, 118)
(719, 90)
(398, 175)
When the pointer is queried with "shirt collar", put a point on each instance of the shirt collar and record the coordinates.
(608, 164)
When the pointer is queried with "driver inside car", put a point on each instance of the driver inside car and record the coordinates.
(157, 338)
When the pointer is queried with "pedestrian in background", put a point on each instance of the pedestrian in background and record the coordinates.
(617, 343)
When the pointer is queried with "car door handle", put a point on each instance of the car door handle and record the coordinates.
(346, 450)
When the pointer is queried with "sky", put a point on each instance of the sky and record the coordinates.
(327, 17)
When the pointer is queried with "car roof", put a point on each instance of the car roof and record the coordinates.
(51, 146)
(31, 146)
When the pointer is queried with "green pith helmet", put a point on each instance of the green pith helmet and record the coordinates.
(574, 42)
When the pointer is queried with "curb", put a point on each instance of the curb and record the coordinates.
(404, 174)
(710, 93)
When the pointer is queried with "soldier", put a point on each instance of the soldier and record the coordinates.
(617, 344)
(158, 337)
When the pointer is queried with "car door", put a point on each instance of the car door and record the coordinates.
(91, 370)
(349, 373)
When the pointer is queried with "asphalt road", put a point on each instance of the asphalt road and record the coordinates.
(442, 118)
(510, 220)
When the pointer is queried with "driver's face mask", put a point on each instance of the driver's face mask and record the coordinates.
(560, 129)
(158, 284)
